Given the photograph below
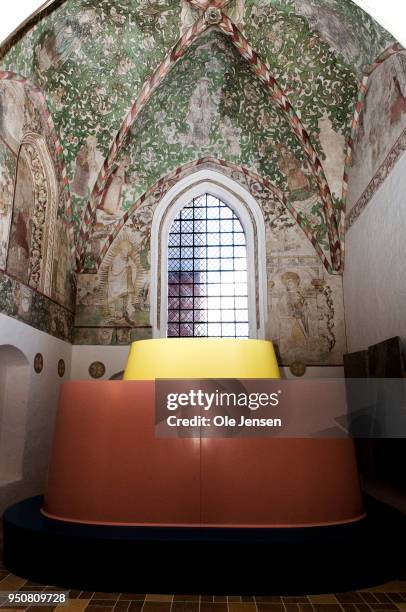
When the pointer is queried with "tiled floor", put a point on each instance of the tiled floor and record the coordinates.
(390, 597)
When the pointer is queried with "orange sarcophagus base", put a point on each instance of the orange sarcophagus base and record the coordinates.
(108, 467)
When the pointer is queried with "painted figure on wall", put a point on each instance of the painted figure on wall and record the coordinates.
(294, 312)
(62, 290)
(6, 206)
(334, 150)
(298, 182)
(62, 42)
(330, 27)
(381, 124)
(20, 234)
(200, 115)
(121, 281)
(112, 199)
(88, 164)
(398, 107)
(302, 316)
(12, 106)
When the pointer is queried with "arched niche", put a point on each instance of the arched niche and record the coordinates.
(14, 389)
(31, 242)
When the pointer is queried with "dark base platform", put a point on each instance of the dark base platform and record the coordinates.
(212, 561)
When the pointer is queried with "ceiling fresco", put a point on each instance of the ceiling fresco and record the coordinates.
(200, 112)
(91, 57)
(136, 93)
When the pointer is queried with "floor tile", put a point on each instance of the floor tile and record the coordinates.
(323, 599)
(395, 586)
(368, 597)
(327, 607)
(355, 607)
(233, 599)
(134, 606)
(74, 605)
(349, 597)
(298, 607)
(156, 606)
(382, 597)
(382, 606)
(270, 607)
(242, 607)
(195, 598)
(122, 606)
(185, 606)
(12, 583)
(164, 598)
(213, 607)
(31, 589)
(100, 608)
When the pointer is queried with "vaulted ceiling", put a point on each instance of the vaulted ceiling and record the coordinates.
(136, 88)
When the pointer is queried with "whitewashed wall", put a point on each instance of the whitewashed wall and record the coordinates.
(375, 267)
(113, 357)
(35, 422)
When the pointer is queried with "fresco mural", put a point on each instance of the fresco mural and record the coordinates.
(316, 49)
(8, 162)
(382, 122)
(34, 243)
(306, 311)
(205, 115)
(121, 289)
(19, 248)
(23, 303)
(305, 318)
(90, 58)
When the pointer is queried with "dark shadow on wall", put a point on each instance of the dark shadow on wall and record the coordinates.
(14, 391)
(379, 459)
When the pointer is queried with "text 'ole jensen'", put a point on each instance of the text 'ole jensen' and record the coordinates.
(222, 421)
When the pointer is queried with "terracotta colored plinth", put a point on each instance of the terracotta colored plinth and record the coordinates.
(107, 467)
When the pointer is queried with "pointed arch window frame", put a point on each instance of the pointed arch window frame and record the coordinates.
(250, 215)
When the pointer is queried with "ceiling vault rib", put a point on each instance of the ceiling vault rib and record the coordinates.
(6, 75)
(148, 89)
(262, 71)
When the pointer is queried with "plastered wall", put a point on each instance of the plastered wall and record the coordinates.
(375, 270)
(35, 421)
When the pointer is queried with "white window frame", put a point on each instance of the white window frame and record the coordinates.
(250, 215)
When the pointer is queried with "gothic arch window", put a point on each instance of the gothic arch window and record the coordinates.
(208, 260)
(32, 233)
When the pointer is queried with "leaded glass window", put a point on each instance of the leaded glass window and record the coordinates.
(207, 272)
